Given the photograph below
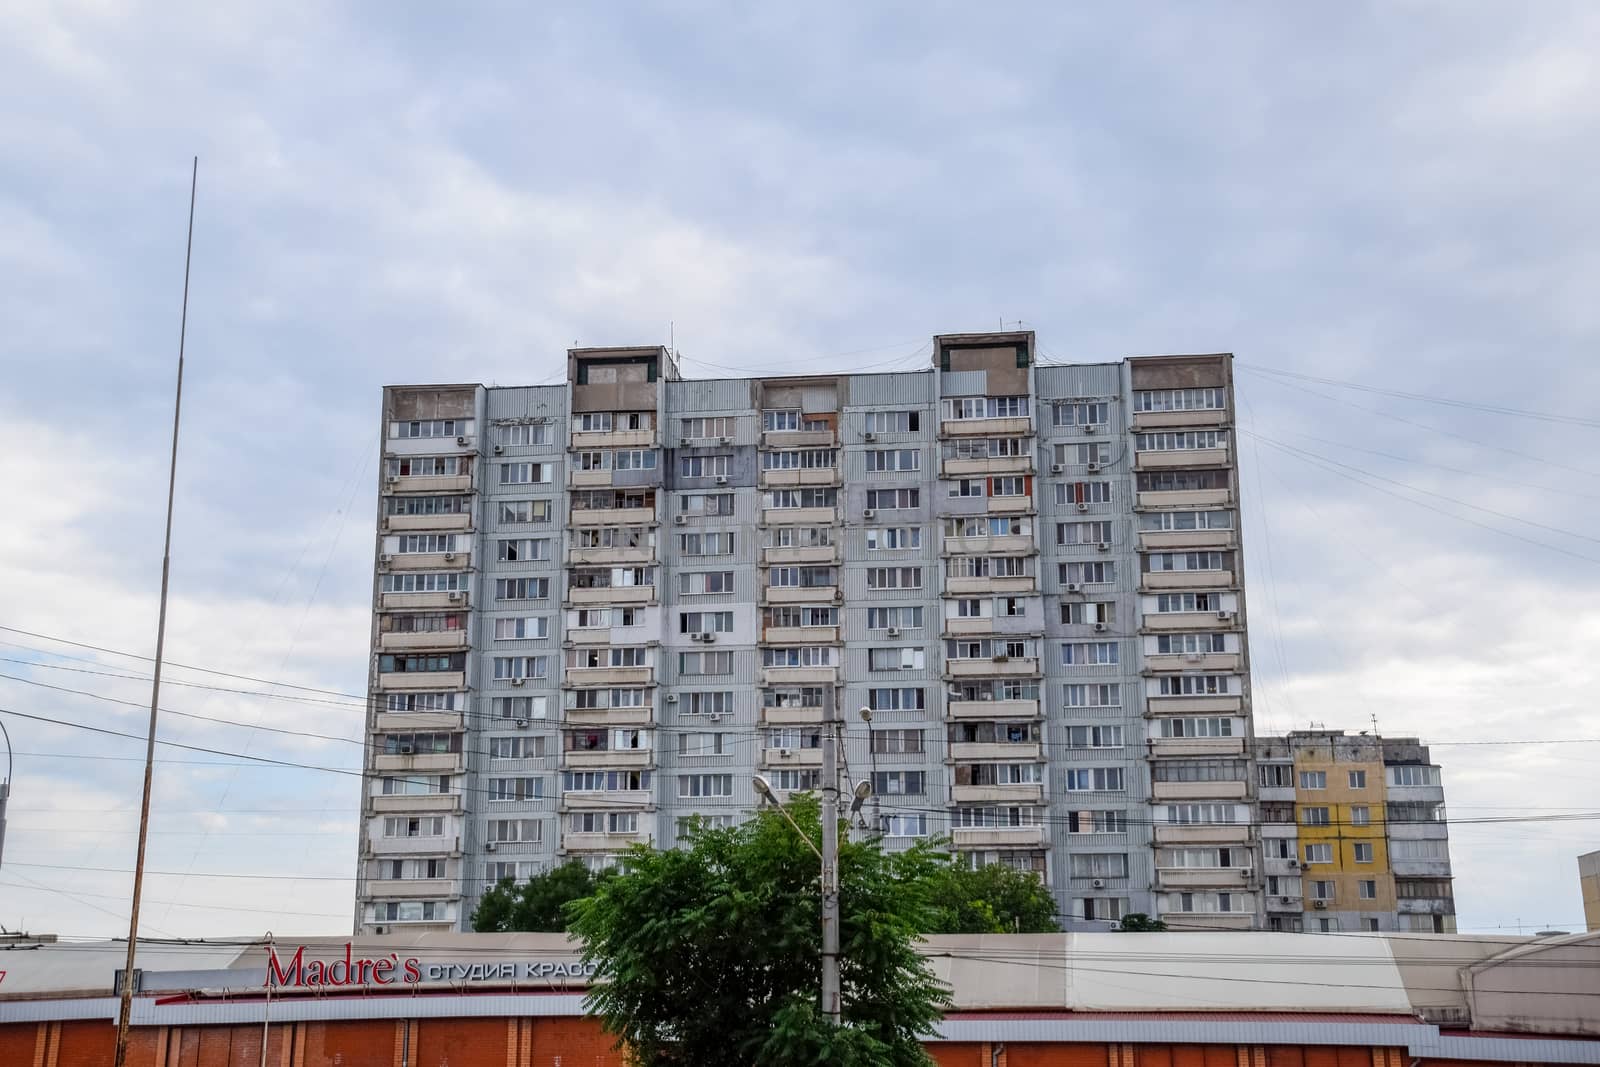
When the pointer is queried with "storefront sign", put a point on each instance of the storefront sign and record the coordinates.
(296, 972)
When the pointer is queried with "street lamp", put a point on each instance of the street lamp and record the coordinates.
(5, 786)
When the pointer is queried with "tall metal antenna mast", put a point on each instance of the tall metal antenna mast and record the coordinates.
(126, 1008)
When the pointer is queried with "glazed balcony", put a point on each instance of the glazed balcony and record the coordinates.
(1154, 540)
(590, 677)
(584, 441)
(997, 427)
(422, 804)
(422, 763)
(1197, 791)
(1166, 747)
(1175, 834)
(455, 598)
(792, 716)
(997, 751)
(428, 483)
(993, 709)
(1194, 705)
(1176, 663)
(443, 640)
(1166, 420)
(1000, 837)
(1177, 459)
(809, 554)
(613, 516)
(459, 520)
(1184, 498)
(642, 716)
(1031, 793)
(631, 759)
(994, 667)
(416, 721)
(800, 635)
(978, 467)
(799, 516)
(1203, 877)
(405, 681)
(799, 476)
(1161, 581)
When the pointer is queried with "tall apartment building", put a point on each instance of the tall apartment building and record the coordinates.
(602, 606)
(1589, 884)
(1353, 834)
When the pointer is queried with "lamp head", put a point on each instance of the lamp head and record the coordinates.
(764, 789)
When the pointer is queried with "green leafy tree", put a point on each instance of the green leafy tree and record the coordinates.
(994, 899)
(535, 904)
(710, 954)
(1139, 922)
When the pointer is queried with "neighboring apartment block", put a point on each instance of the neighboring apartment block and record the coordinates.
(1353, 834)
(602, 606)
(1589, 881)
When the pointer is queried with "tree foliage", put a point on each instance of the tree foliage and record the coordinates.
(710, 954)
(537, 903)
(994, 899)
(1139, 922)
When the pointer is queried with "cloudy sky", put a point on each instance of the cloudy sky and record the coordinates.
(1394, 196)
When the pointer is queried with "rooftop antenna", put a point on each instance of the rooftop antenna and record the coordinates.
(124, 1011)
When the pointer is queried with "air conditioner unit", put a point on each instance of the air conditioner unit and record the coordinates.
(893, 631)
(785, 753)
(725, 440)
(518, 681)
(1074, 587)
(448, 556)
(716, 716)
(671, 698)
(1097, 883)
(406, 750)
(1083, 505)
(1094, 468)
(722, 479)
(1099, 627)
(462, 441)
(1001, 657)
(380, 929)
(499, 450)
(1090, 427)
(838, 596)
(456, 594)
(522, 724)
(869, 436)
(680, 520)
(1056, 468)
(393, 478)
(869, 514)
(1320, 905)
(683, 442)
(1104, 546)
(1191, 657)
(1224, 613)
(489, 846)
(708, 638)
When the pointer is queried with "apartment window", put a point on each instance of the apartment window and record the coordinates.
(517, 550)
(1191, 685)
(1083, 493)
(454, 661)
(1358, 779)
(600, 822)
(407, 543)
(524, 433)
(521, 629)
(1204, 399)
(523, 473)
(1360, 815)
(614, 656)
(688, 825)
(420, 701)
(1313, 779)
(505, 790)
(516, 747)
(1199, 770)
(705, 503)
(1363, 851)
(800, 459)
(970, 487)
(894, 577)
(1322, 890)
(714, 703)
(902, 699)
(428, 623)
(522, 589)
(881, 539)
(1415, 811)
(521, 667)
(1010, 485)
(1088, 653)
(1428, 849)
(519, 707)
(1181, 481)
(702, 663)
(1163, 521)
(1097, 779)
(429, 785)
(794, 737)
(802, 577)
(505, 831)
(705, 622)
(893, 499)
(697, 583)
(1203, 814)
(986, 448)
(892, 422)
(1367, 889)
(428, 466)
(427, 505)
(1094, 736)
(1314, 816)
(900, 616)
(706, 544)
(1277, 775)
(800, 656)
(1404, 776)
(431, 428)
(704, 466)
(897, 742)
(705, 785)
(1189, 561)
(515, 511)
(1097, 822)
(905, 825)
(1185, 603)
(635, 459)
(702, 744)
(785, 499)
(898, 783)
(1099, 865)
(1097, 573)
(984, 407)
(896, 659)
(798, 616)
(1180, 440)
(1083, 533)
(605, 781)
(1197, 726)
(799, 536)
(425, 582)
(717, 426)
(1108, 695)
(1319, 853)
(1080, 412)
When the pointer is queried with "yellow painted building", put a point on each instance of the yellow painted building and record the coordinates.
(1339, 814)
(1589, 879)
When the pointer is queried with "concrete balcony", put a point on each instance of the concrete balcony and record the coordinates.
(453, 599)
(1164, 747)
(603, 842)
(788, 479)
(1194, 705)
(409, 721)
(613, 594)
(1203, 877)
(997, 794)
(460, 520)
(1166, 420)
(813, 554)
(1279, 793)
(1187, 620)
(613, 517)
(993, 709)
(445, 483)
(993, 751)
(428, 561)
(991, 545)
(997, 667)
(641, 554)
(1185, 498)
(443, 640)
(791, 716)
(1155, 581)
(800, 635)
(583, 441)
(1209, 920)
(632, 759)
(410, 889)
(985, 427)
(1197, 457)
(799, 516)
(988, 586)
(419, 763)
(1000, 837)
(1197, 790)
(402, 681)
(609, 716)
(589, 635)
(589, 677)
(784, 758)
(1193, 661)
(1171, 834)
(799, 438)
(1155, 540)
(1279, 904)
(609, 800)
(963, 627)
(1425, 906)
(967, 468)
(800, 675)
(424, 804)
(589, 479)
(1009, 505)
(443, 845)
(796, 594)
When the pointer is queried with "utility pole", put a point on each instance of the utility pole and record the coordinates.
(830, 860)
